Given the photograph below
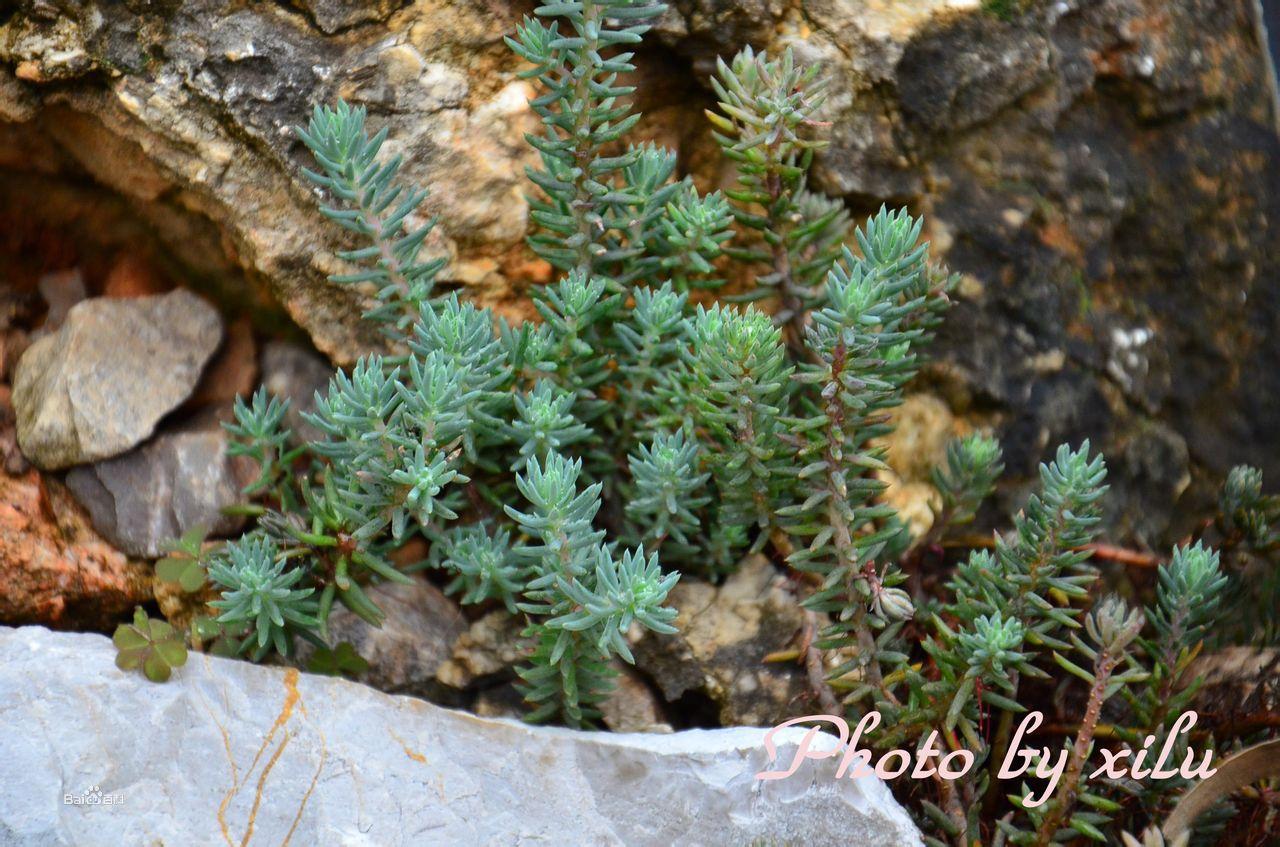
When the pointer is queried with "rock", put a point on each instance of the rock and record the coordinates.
(500, 701)
(334, 15)
(61, 291)
(923, 426)
(232, 373)
(133, 276)
(490, 646)
(11, 459)
(413, 642)
(101, 383)
(1154, 469)
(16, 308)
(54, 568)
(708, 28)
(632, 706)
(48, 48)
(195, 126)
(179, 480)
(227, 749)
(295, 374)
(724, 634)
(13, 343)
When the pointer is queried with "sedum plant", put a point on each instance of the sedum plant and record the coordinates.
(571, 469)
(765, 107)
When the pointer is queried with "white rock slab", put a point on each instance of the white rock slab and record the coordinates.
(232, 753)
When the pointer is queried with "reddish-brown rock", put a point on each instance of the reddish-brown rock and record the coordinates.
(54, 569)
(232, 372)
(133, 276)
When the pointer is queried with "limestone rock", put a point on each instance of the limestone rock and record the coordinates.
(99, 385)
(415, 639)
(490, 646)
(54, 568)
(632, 706)
(226, 749)
(724, 634)
(179, 480)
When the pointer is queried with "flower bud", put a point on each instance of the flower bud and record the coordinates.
(893, 604)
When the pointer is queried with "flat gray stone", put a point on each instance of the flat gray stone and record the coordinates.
(99, 385)
(416, 638)
(227, 751)
(177, 481)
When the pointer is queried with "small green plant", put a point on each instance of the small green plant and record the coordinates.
(766, 105)
(569, 470)
(258, 591)
(187, 563)
(1248, 530)
(151, 645)
(341, 660)
(1005, 10)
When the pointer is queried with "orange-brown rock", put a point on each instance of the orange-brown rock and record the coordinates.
(133, 276)
(232, 372)
(54, 568)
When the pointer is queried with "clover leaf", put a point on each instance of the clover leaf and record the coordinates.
(153, 645)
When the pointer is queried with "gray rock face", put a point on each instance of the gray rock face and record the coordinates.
(412, 643)
(99, 385)
(227, 751)
(294, 374)
(175, 482)
(334, 15)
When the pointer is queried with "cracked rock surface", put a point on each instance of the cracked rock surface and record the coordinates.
(229, 751)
